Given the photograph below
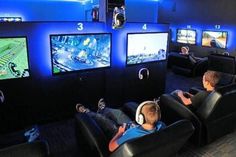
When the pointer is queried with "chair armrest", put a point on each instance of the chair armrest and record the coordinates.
(172, 111)
(89, 132)
(164, 143)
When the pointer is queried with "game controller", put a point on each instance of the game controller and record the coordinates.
(129, 125)
(186, 94)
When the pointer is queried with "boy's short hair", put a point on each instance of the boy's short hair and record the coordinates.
(213, 77)
(152, 109)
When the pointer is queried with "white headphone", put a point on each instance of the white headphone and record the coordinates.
(140, 75)
(139, 117)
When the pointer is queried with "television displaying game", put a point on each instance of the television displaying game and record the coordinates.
(146, 47)
(186, 36)
(74, 52)
(215, 39)
(14, 61)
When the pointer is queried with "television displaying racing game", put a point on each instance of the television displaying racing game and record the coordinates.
(215, 39)
(74, 52)
(146, 47)
(14, 61)
(186, 36)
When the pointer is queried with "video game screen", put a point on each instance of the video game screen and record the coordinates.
(186, 36)
(146, 47)
(74, 52)
(14, 61)
(215, 39)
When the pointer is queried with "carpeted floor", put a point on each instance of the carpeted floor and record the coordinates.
(62, 141)
(223, 147)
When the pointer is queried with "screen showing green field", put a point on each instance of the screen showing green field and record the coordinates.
(13, 58)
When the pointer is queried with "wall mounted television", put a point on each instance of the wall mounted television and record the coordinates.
(146, 47)
(75, 52)
(14, 62)
(215, 39)
(186, 36)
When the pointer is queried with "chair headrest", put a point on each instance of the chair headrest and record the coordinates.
(222, 63)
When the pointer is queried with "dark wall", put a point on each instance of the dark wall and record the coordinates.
(200, 15)
(200, 11)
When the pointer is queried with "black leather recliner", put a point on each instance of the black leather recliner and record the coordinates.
(224, 64)
(214, 118)
(164, 143)
(186, 64)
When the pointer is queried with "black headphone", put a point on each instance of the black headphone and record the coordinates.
(140, 75)
(140, 118)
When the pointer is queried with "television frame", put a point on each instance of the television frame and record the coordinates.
(84, 69)
(226, 40)
(12, 66)
(186, 29)
(146, 62)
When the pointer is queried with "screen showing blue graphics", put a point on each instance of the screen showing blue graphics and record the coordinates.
(146, 47)
(216, 39)
(186, 36)
(73, 52)
(13, 58)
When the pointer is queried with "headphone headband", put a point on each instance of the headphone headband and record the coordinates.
(138, 114)
(140, 75)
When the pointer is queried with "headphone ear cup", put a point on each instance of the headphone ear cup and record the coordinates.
(140, 119)
(141, 76)
(147, 73)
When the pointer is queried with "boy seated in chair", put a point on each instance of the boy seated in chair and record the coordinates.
(148, 116)
(209, 81)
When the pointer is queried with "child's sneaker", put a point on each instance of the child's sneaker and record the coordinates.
(101, 104)
(33, 136)
(156, 100)
(27, 133)
(80, 108)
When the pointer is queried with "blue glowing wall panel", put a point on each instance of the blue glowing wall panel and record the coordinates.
(142, 10)
(50, 10)
(146, 47)
(13, 58)
(80, 52)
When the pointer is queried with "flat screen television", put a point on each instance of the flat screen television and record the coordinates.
(146, 47)
(75, 52)
(14, 62)
(215, 39)
(186, 36)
